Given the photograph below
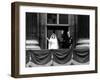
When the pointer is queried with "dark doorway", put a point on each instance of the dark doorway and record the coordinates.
(62, 35)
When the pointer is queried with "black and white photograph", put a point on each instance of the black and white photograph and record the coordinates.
(52, 39)
(57, 39)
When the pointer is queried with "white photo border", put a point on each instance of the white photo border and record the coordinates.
(37, 70)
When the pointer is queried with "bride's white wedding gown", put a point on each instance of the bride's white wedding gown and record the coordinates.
(53, 42)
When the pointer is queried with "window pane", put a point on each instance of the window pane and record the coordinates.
(51, 18)
(63, 19)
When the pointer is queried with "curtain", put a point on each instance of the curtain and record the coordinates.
(39, 57)
(62, 57)
(44, 56)
(80, 56)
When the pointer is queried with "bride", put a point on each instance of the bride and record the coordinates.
(53, 42)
